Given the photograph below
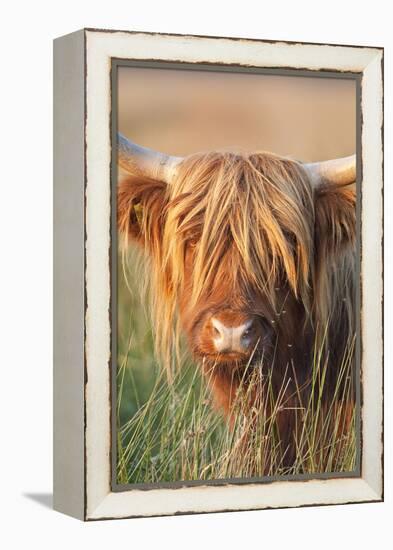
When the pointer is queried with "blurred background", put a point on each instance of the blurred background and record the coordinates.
(183, 111)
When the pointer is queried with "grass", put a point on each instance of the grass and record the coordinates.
(177, 435)
(170, 431)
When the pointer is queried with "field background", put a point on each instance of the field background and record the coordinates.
(181, 112)
(184, 111)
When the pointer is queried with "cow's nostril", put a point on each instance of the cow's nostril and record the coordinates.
(248, 336)
(233, 334)
(247, 333)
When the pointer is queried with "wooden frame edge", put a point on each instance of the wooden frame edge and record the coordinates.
(74, 498)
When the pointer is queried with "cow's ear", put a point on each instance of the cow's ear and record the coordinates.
(335, 218)
(140, 209)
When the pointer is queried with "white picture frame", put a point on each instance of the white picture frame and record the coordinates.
(82, 246)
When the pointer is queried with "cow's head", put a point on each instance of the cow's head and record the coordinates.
(241, 246)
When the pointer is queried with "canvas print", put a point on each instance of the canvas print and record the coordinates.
(235, 276)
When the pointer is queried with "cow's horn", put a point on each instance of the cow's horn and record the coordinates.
(138, 160)
(339, 171)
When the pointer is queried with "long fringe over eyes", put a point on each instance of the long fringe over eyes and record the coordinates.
(254, 210)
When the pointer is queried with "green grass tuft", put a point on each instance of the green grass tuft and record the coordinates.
(170, 432)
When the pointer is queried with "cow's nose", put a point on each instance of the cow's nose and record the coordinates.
(229, 337)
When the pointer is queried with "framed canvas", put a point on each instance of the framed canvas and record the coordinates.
(218, 269)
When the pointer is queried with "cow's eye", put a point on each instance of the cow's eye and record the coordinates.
(191, 243)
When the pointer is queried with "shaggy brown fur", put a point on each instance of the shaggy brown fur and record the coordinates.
(246, 235)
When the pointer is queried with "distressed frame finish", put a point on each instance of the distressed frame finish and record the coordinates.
(82, 375)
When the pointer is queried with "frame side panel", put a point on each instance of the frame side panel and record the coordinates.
(69, 303)
(102, 503)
